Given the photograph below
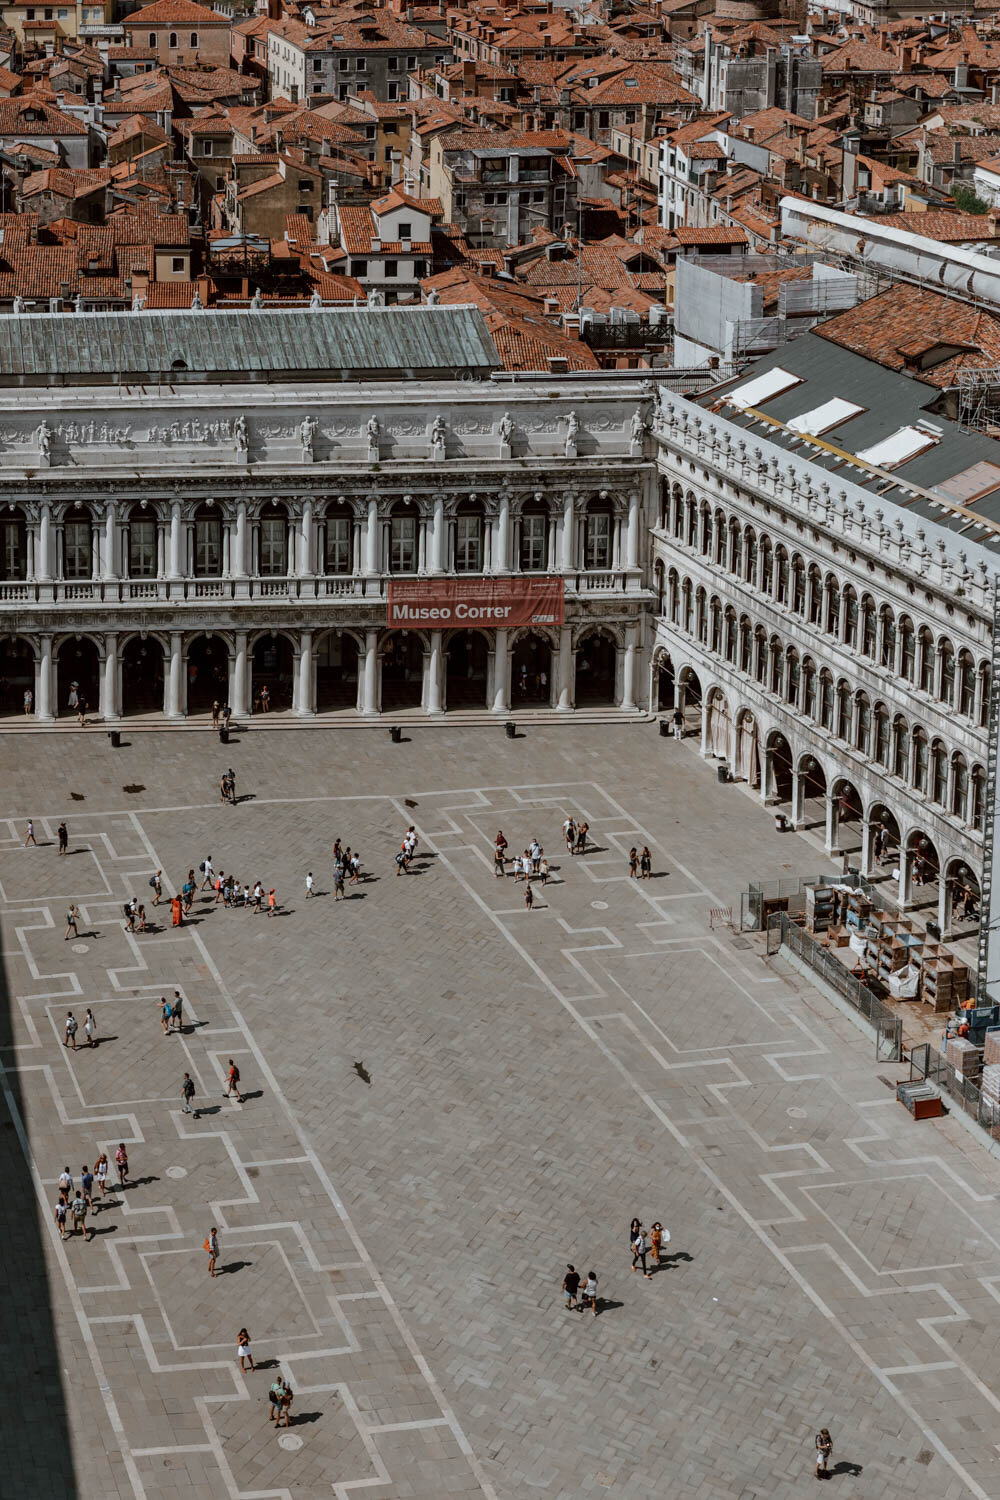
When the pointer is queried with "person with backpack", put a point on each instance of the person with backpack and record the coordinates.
(177, 1011)
(71, 1029)
(207, 871)
(212, 1247)
(165, 1013)
(156, 884)
(824, 1448)
(72, 918)
(187, 1094)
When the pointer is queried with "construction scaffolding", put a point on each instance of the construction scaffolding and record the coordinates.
(979, 400)
(989, 898)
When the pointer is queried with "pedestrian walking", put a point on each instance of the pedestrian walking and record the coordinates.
(657, 1237)
(287, 1397)
(62, 833)
(645, 863)
(66, 1183)
(101, 1174)
(29, 837)
(90, 1028)
(164, 1014)
(355, 867)
(824, 1448)
(535, 854)
(176, 911)
(338, 883)
(216, 711)
(233, 1086)
(208, 873)
(633, 863)
(588, 1295)
(258, 896)
(276, 1391)
(72, 918)
(140, 917)
(156, 881)
(71, 1029)
(78, 1209)
(515, 867)
(678, 723)
(211, 1245)
(87, 1185)
(401, 862)
(129, 916)
(581, 837)
(639, 1249)
(81, 711)
(570, 1286)
(187, 1094)
(243, 1349)
(272, 902)
(498, 859)
(569, 834)
(309, 885)
(543, 870)
(177, 1011)
(121, 1162)
(529, 895)
(29, 699)
(223, 788)
(60, 1216)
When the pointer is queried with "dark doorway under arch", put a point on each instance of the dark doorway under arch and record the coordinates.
(596, 660)
(207, 668)
(336, 672)
(17, 673)
(666, 686)
(273, 669)
(465, 670)
(531, 670)
(78, 672)
(402, 670)
(142, 676)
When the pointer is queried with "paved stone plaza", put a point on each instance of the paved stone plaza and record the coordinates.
(396, 1249)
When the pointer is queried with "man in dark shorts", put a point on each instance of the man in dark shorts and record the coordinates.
(570, 1286)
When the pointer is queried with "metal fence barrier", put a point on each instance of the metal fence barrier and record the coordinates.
(926, 1062)
(782, 932)
(754, 900)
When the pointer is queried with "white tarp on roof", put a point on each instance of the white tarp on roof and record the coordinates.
(822, 418)
(762, 388)
(902, 445)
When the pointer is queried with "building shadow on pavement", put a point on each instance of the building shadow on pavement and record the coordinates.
(37, 1451)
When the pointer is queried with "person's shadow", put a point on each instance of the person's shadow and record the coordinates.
(846, 1468)
(232, 1267)
(605, 1304)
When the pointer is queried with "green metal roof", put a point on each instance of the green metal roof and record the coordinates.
(177, 347)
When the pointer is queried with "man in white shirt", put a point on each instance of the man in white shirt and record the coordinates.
(209, 873)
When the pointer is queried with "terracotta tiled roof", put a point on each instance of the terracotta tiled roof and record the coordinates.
(884, 326)
(716, 234)
(65, 182)
(33, 116)
(170, 12)
(947, 228)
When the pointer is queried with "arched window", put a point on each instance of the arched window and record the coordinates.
(597, 534)
(720, 539)
(716, 611)
(678, 512)
(921, 758)
(13, 545)
(862, 723)
(977, 806)
(850, 618)
(832, 605)
(78, 546)
(172, 39)
(887, 638)
(844, 711)
(966, 684)
(140, 542)
(925, 665)
(985, 677)
(960, 786)
(908, 647)
(777, 661)
(793, 677)
(749, 555)
(809, 687)
(339, 537)
(880, 748)
(688, 606)
(826, 699)
(660, 585)
(868, 627)
(731, 635)
(673, 595)
(798, 585)
(766, 565)
(760, 651)
(701, 615)
(664, 510)
(781, 575)
(273, 540)
(469, 526)
(815, 595)
(947, 653)
(939, 764)
(746, 648)
(735, 548)
(403, 537)
(207, 542)
(533, 537)
(900, 748)
(692, 521)
(706, 530)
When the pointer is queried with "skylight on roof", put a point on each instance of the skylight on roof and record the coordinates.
(822, 418)
(899, 448)
(762, 388)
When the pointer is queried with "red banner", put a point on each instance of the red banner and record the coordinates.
(449, 603)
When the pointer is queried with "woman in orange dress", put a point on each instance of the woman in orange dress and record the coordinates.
(176, 911)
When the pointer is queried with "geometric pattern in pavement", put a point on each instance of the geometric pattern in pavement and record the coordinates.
(831, 1261)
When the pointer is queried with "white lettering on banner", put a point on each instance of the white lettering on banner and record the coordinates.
(482, 612)
(460, 612)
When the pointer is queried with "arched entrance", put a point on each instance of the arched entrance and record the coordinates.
(531, 670)
(747, 748)
(465, 670)
(78, 671)
(778, 773)
(812, 793)
(17, 674)
(885, 855)
(846, 816)
(142, 676)
(207, 668)
(596, 663)
(720, 728)
(336, 672)
(920, 872)
(962, 899)
(402, 670)
(666, 684)
(273, 669)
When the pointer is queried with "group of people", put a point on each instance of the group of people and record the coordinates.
(523, 866)
(643, 1242)
(407, 849)
(533, 864)
(74, 1203)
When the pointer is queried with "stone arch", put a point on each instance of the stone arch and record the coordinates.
(597, 657)
(920, 869)
(271, 664)
(720, 730)
(142, 666)
(467, 668)
(963, 894)
(664, 693)
(886, 836)
(18, 655)
(531, 666)
(337, 524)
(847, 816)
(338, 659)
(747, 748)
(207, 654)
(79, 662)
(778, 763)
(401, 659)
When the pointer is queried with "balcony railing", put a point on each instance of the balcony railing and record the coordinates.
(294, 590)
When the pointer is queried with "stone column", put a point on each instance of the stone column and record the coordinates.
(175, 540)
(501, 555)
(436, 539)
(174, 676)
(371, 540)
(43, 680)
(369, 698)
(110, 543)
(832, 824)
(238, 551)
(905, 878)
(565, 669)
(109, 686)
(238, 689)
(628, 669)
(632, 534)
(798, 787)
(867, 838)
(567, 550)
(501, 691)
(433, 694)
(45, 542)
(306, 540)
(305, 708)
(945, 889)
(705, 748)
